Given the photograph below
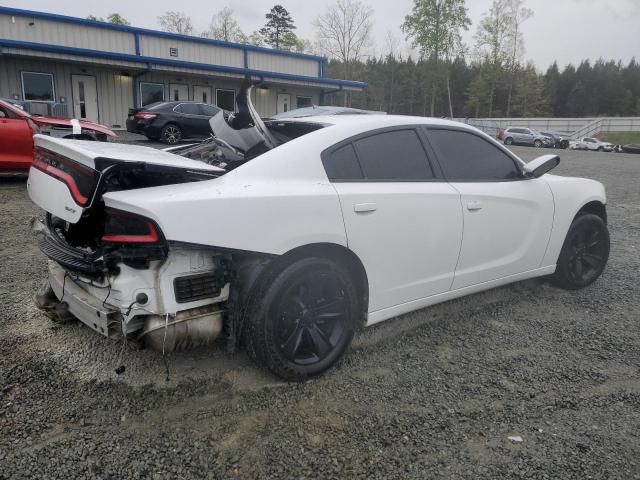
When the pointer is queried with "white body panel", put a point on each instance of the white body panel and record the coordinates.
(407, 234)
(53, 196)
(506, 229)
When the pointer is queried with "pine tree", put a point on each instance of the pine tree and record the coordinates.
(278, 31)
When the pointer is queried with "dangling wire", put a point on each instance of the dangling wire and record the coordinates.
(164, 341)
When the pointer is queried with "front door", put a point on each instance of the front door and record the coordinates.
(16, 139)
(85, 97)
(404, 224)
(507, 218)
(202, 94)
(178, 92)
(284, 103)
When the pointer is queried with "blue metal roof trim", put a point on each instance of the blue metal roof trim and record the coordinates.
(155, 33)
(83, 52)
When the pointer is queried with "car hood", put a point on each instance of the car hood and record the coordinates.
(63, 122)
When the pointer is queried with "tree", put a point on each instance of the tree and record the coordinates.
(224, 27)
(518, 14)
(278, 31)
(255, 39)
(176, 22)
(344, 31)
(434, 26)
(114, 18)
(492, 44)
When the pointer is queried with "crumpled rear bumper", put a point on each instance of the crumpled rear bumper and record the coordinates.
(94, 312)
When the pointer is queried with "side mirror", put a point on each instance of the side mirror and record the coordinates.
(541, 165)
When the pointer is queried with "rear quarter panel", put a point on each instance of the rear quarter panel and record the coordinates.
(569, 196)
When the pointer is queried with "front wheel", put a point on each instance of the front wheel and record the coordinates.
(584, 253)
(508, 141)
(537, 144)
(304, 319)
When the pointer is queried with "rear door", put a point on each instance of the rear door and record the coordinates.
(192, 120)
(402, 221)
(16, 140)
(507, 218)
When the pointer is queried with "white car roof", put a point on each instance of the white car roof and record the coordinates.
(377, 121)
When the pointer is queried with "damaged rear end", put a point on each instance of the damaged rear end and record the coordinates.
(113, 269)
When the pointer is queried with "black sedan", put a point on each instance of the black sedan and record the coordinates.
(171, 122)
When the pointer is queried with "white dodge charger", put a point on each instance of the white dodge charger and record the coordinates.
(291, 234)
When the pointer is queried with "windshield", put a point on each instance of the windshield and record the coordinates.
(17, 106)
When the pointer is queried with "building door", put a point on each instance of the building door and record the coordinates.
(202, 94)
(178, 92)
(85, 97)
(284, 103)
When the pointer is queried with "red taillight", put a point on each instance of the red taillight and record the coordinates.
(80, 180)
(126, 227)
(145, 116)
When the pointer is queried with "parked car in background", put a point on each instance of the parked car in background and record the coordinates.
(315, 110)
(17, 128)
(559, 140)
(171, 122)
(593, 144)
(331, 223)
(630, 148)
(524, 136)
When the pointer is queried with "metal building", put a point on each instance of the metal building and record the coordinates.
(95, 70)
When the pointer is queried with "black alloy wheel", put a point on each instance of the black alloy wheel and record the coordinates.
(305, 320)
(171, 134)
(584, 254)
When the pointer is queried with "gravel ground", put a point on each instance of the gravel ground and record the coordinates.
(434, 394)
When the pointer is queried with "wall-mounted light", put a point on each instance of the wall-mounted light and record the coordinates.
(63, 99)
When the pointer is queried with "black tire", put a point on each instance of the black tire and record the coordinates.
(584, 253)
(303, 318)
(508, 141)
(537, 143)
(601, 149)
(171, 134)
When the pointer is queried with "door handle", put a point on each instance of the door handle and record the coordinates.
(474, 206)
(364, 207)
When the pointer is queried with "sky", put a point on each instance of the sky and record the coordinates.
(563, 30)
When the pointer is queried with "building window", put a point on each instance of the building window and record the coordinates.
(226, 99)
(38, 87)
(302, 102)
(151, 93)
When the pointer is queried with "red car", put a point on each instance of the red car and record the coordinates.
(17, 128)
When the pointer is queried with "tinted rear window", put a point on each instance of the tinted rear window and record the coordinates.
(342, 164)
(395, 155)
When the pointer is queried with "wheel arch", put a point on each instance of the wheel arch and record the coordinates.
(595, 207)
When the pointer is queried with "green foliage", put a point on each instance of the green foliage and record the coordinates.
(403, 86)
(621, 138)
(278, 31)
(114, 18)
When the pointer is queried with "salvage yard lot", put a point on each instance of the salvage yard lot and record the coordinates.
(434, 394)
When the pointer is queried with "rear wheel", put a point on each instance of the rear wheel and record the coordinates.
(584, 254)
(171, 134)
(304, 318)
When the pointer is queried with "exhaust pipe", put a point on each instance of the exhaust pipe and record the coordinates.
(187, 329)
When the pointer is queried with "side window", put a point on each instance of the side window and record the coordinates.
(342, 164)
(468, 157)
(395, 155)
(188, 109)
(208, 110)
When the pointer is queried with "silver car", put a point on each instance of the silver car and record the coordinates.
(526, 136)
